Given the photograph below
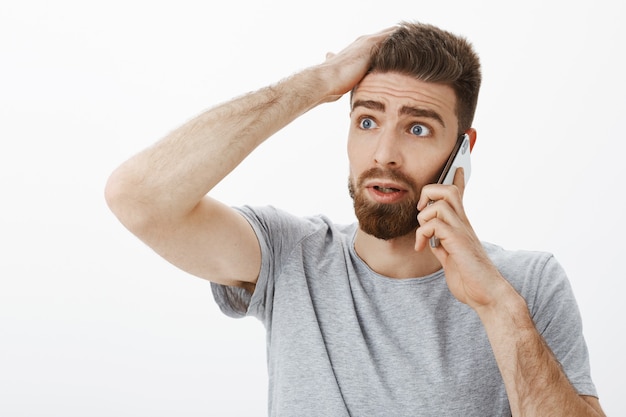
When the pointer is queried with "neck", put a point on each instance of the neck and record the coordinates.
(395, 258)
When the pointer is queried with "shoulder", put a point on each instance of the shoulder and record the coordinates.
(284, 231)
(270, 216)
(536, 275)
(517, 260)
(526, 270)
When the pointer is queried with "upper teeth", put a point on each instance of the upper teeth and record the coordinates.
(386, 189)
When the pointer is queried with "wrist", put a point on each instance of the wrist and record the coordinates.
(335, 79)
(313, 85)
(507, 307)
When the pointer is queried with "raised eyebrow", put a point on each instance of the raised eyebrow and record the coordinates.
(404, 110)
(416, 112)
(369, 104)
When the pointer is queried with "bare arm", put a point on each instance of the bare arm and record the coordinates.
(535, 382)
(160, 194)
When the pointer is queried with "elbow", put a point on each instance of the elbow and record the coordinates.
(113, 193)
(124, 201)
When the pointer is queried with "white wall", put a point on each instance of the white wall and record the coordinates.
(92, 323)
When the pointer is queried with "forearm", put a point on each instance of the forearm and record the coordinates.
(535, 382)
(169, 178)
(167, 181)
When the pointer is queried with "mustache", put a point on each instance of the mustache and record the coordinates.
(388, 174)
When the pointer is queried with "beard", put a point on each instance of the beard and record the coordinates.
(385, 221)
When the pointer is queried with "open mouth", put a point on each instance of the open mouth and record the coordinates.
(386, 190)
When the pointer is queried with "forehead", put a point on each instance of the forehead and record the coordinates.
(395, 90)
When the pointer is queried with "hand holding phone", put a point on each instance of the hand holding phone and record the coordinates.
(459, 158)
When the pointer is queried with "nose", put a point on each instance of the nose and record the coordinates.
(387, 153)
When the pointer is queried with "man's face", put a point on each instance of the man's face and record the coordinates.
(402, 131)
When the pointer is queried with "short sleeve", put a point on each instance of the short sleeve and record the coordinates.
(557, 318)
(277, 233)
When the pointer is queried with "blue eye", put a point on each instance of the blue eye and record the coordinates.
(419, 130)
(367, 123)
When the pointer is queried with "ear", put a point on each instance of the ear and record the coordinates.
(471, 132)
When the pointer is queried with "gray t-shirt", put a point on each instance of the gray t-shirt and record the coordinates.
(343, 340)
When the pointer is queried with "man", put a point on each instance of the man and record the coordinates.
(369, 319)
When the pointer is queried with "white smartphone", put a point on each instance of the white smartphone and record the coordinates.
(459, 158)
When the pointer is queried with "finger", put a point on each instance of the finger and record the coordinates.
(459, 180)
(430, 193)
(420, 241)
(384, 33)
(436, 192)
(426, 213)
(441, 210)
(439, 219)
(422, 237)
(435, 227)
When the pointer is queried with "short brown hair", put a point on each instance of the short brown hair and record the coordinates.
(433, 55)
